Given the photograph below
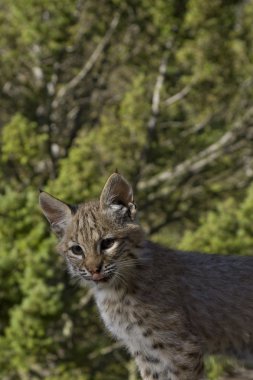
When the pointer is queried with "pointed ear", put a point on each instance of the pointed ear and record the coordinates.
(117, 195)
(58, 213)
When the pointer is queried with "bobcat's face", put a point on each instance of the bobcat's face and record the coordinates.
(99, 239)
(97, 247)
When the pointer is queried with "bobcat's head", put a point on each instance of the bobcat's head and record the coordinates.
(99, 239)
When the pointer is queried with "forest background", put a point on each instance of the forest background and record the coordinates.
(161, 90)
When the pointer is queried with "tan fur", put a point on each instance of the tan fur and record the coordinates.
(169, 308)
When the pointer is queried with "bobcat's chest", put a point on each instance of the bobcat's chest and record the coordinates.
(129, 321)
(124, 319)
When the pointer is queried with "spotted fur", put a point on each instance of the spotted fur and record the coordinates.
(169, 308)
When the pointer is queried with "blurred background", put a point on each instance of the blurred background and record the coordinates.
(161, 90)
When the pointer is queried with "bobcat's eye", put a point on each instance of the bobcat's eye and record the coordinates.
(77, 250)
(107, 243)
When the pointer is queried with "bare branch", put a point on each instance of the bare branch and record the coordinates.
(132, 370)
(198, 127)
(105, 350)
(192, 164)
(180, 95)
(85, 300)
(157, 91)
(70, 86)
(198, 162)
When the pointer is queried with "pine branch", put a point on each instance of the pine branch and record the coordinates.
(155, 110)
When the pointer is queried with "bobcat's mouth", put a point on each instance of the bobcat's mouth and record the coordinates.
(96, 277)
(100, 277)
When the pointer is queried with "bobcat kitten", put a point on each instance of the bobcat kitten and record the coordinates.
(168, 307)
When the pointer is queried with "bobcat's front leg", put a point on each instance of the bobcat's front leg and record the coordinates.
(182, 366)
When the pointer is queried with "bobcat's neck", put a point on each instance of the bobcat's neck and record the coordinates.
(118, 308)
(117, 295)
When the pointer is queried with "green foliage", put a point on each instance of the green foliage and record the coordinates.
(227, 230)
(216, 366)
(29, 145)
(163, 92)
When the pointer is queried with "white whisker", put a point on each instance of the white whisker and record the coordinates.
(121, 278)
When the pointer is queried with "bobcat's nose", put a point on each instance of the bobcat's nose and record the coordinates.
(96, 273)
(95, 269)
